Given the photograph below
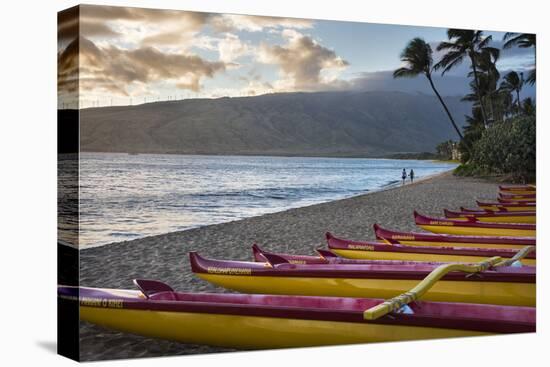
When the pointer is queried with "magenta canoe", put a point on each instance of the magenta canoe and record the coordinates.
(323, 257)
(499, 209)
(473, 227)
(269, 321)
(512, 286)
(510, 207)
(505, 204)
(517, 201)
(414, 270)
(398, 237)
(517, 196)
(329, 257)
(336, 244)
(517, 188)
(484, 214)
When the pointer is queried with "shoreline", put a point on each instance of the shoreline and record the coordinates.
(299, 231)
(390, 186)
(273, 154)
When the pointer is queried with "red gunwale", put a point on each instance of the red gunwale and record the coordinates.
(417, 271)
(516, 201)
(516, 196)
(395, 236)
(260, 256)
(506, 205)
(498, 210)
(484, 214)
(342, 244)
(518, 187)
(425, 220)
(463, 316)
(263, 256)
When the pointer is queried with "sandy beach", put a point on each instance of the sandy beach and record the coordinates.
(164, 257)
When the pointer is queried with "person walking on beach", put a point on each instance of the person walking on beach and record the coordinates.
(411, 175)
(404, 175)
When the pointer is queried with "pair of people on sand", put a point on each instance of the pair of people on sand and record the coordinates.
(404, 175)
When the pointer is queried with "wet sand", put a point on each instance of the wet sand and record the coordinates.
(300, 231)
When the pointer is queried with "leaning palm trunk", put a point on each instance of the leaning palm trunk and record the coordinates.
(445, 107)
(478, 91)
(519, 102)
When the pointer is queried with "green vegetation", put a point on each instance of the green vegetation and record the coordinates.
(499, 137)
(506, 149)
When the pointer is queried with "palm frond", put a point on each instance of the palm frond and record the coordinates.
(483, 42)
(417, 58)
(522, 40)
(405, 73)
(449, 60)
(531, 77)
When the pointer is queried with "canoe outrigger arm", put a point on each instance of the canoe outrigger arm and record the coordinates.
(518, 256)
(421, 288)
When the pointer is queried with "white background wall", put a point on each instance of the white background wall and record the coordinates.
(28, 180)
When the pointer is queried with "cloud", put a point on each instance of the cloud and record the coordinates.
(119, 13)
(177, 31)
(253, 23)
(134, 27)
(304, 63)
(231, 48)
(116, 70)
(97, 29)
(67, 25)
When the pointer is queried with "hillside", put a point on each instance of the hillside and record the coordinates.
(324, 123)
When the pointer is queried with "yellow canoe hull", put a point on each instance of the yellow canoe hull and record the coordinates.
(446, 244)
(382, 255)
(498, 293)
(510, 208)
(255, 332)
(504, 219)
(517, 192)
(478, 231)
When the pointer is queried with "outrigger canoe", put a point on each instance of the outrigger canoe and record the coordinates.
(519, 189)
(472, 227)
(266, 321)
(493, 217)
(432, 239)
(514, 286)
(371, 250)
(500, 210)
(521, 197)
(355, 252)
(511, 207)
(516, 201)
(516, 188)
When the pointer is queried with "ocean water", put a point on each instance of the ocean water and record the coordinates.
(123, 197)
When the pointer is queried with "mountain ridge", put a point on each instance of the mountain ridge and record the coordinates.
(369, 124)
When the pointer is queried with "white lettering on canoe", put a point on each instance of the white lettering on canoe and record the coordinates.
(361, 247)
(228, 271)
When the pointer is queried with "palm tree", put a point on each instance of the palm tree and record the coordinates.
(473, 130)
(523, 40)
(529, 106)
(418, 59)
(513, 82)
(488, 76)
(464, 43)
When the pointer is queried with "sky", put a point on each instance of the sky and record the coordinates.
(131, 55)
